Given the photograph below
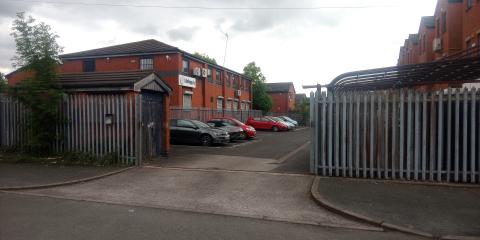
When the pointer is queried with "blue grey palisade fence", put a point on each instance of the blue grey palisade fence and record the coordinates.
(397, 134)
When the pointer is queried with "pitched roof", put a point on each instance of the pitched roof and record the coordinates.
(145, 47)
(279, 87)
(141, 47)
(413, 38)
(99, 81)
(299, 97)
(428, 21)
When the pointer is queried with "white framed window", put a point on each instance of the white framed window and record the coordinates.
(229, 104)
(185, 66)
(235, 104)
(219, 103)
(187, 101)
(146, 63)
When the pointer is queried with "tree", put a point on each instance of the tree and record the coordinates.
(205, 57)
(37, 53)
(303, 108)
(3, 82)
(261, 100)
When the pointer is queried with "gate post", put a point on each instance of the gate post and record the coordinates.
(138, 129)
(313, 126)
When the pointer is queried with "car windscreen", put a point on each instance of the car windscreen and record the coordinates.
(200, 124)
(236, 122)
(228, 123)
(276, 119)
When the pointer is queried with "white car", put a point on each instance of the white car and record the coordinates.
(277, 119)
(287, 119)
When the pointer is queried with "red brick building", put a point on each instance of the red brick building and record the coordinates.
(426, 34)
(283, 96)
(455, 27)
(194, 82)
(471, 24)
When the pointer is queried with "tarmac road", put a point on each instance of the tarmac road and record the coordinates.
(43, 218)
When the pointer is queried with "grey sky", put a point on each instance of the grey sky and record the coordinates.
(303, 46)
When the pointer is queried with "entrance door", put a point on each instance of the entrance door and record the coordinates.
(152, 119)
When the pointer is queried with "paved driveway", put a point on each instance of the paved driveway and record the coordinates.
(269, 151)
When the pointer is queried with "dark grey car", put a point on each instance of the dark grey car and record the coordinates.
(193, 131)
(234, 131)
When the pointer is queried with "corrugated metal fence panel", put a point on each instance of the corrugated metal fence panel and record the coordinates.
(12, 119)
(401, 134)
(82, 126)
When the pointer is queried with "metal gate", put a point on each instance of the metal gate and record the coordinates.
(152, 124)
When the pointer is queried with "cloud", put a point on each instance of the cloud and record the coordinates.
(182, 33)
(339, 40)
(9, 9)
(7, 50)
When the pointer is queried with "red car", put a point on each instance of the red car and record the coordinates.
(248, 131)
(266, 124)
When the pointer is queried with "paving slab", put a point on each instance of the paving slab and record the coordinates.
(25, 175)
(438, 210)
(258, 195)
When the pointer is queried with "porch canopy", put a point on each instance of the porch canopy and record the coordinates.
(113, 82)
(460, 68)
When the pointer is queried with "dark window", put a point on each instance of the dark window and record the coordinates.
(478, 44)
(89, 65)
(235, 82)
(469, 46)
(438, 27)
(424, 44)
(218, 77)
(185, 124)
(146, 63)
(185, 66)
(469, 4)
(210, 74)
(444, 22)
(227, 79)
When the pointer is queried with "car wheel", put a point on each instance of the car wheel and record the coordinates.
(275, 128)
(206, 140)
(243, 136)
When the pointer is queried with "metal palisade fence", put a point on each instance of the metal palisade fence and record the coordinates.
(97, 124)
(204, 114)
(397, 134)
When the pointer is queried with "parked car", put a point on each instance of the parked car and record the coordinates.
(234, 131)
(285, 118)
(193, 131)
(289, 125)
(248, 131)
(266, 124)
